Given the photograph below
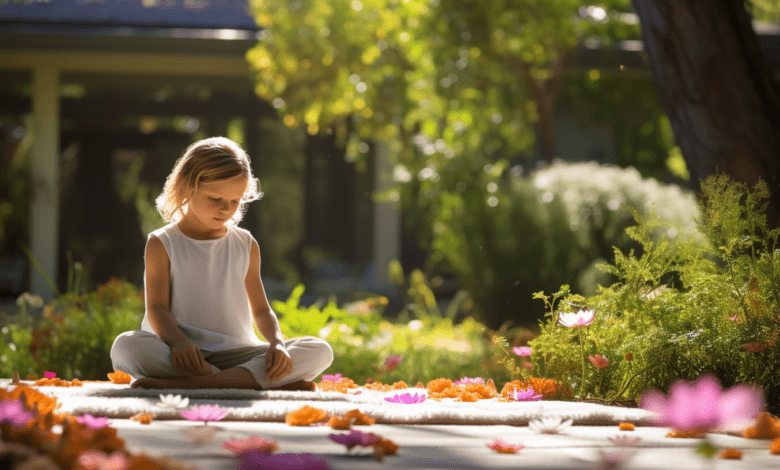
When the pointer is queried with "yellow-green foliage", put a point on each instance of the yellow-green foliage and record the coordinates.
(680, 309)
(73, 335)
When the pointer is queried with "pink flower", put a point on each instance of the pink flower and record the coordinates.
(94, 422)
(392, 361)
(599, 361)
(205, 413)
(467, 381)
(96, 460)
(505, 448)
(406, 398)
(331, 378)
(50, 375)
(581, 318)
(355, 438)
(14, 413)
(522, 350)
(703, 405)
(251, 444)
(265, 461)
(527, 394)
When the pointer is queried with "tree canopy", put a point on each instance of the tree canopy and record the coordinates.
(435, 78)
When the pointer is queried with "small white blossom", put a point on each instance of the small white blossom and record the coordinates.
(170, 401)
(549, 425)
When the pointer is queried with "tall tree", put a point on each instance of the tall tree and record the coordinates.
(715, 86)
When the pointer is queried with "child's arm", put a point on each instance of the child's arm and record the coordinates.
(277, 360)
(185, 355)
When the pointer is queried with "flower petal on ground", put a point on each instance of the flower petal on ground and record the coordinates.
(266, 461)
(205, 413)
(406, 398)
(94, 422)
(505, 448)
(250, 444)
(355, 438)
(552, 425)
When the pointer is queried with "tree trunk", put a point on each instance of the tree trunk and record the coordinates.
(716, 89)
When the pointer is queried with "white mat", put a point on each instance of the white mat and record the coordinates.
(120, 401)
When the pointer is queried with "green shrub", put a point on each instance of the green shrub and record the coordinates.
(530, 234)
(430, 344)
(74, 335)
(679, 309)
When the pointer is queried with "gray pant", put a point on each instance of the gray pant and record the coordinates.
(142, 354)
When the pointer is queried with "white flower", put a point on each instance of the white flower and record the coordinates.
(581, 318)
(550, 425)
(170, 401)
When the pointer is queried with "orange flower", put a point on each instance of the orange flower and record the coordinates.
(359, 418)
(468, 397)
(119, 377)
(765, 427)
(341, 385)
(143, 418)
(626, 427)
(378, 386)
(305, 416)
(340, 422)
(400, 386)
(730, 453)
(384, 447)
(774, 446)
(438, 385)
(755, 347)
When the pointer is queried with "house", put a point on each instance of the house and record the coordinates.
(119, 84)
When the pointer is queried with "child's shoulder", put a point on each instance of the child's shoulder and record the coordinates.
(162, 231)
(243, 233)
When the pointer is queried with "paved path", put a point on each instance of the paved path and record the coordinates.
(446, 447)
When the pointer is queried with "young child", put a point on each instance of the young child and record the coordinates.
(203, 289)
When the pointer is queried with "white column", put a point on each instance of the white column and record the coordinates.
(387, 220)
(44, 207)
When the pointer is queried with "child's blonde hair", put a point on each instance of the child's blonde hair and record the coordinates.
(207, 160)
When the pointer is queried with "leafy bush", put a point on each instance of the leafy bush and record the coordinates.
(529, 234)
(363, 342)
(679, 309)
(74, 335)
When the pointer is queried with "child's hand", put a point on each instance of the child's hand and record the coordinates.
(187, 357)
(278, 363)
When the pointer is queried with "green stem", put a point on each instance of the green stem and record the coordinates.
(582, 354)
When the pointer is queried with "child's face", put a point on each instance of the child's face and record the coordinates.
(215, 202)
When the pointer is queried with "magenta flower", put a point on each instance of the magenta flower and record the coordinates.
(50, 375)
(392, 361)
(251, 444)
(14, 413)
(703, 405)
(264, 461)
(581, 318)
(94, 422)
(524, 351)
(406, 398)
(331, 378)
(467, 381)
(527, 394)
(205, 413)
(355, 438)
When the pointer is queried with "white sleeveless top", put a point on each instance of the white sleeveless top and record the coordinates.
(208, 294)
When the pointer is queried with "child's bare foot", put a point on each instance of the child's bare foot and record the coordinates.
(300, 385)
